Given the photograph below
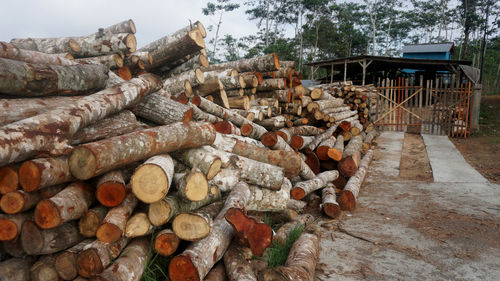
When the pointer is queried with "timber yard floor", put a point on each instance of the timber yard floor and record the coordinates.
(442, 227)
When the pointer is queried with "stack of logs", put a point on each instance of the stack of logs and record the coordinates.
(104, 148)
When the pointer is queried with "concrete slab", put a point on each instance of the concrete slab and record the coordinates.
(390, 144)
(448, 165)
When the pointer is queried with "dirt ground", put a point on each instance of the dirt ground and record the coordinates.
(414, 163)
(481, 150)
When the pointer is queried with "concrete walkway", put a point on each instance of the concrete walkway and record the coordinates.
(407, 230)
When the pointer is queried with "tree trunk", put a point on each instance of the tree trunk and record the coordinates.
(36, 241)
(49, 131)
(196, 225)
(351, 157)
(16, 269)
(96, 158)
(162, 110)
(337, 150)
(237, 262)
(301, 261)
(9, 51)
(265, 63)
(226, 179)
(138, 225)
(201, 158)
(194, 62)
(341, 115)
(273, 123)
(319, 138)
(272, 85)
(11, 225)
(239, 102)
(329, 201)
(47, 45)
(152, 180)
(200, 115)
(250, 79)
(324, 104)
(193, 186)
(19, 201)
(226, 127)
(130, 265)
(280, 95)
(9, 178)
(301, 142)
(367, 142)
(166, 242)
(113, 226)
(118, 124)
(275, 142)
(217, 273)
(104, 44)
(44, 269)
(265, 200)
(302, 189)
(26, 79)
(350, 194)
(113, 61)
(324, 147)
(65, 262)
(356, 128)
(126, 26)
(90, 222)
(197, 260)
(253, 130)
(286, 133)
(175, 86)
(96, 256)
(111, 187)
(259, 173)
(69, 204)
(43, 172)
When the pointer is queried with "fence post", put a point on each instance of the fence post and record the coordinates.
(476, 104)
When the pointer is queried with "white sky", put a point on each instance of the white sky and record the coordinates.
(153, 18)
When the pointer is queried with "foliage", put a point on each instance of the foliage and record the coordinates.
(278, 252)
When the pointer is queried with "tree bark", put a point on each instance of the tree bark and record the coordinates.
(104, 44)
(237, 263)
(112, 61)
(138, 225)
(350, 193)
(197, 260)
(19, 201)
(47, 45)
(50, 131)
(126, 26)
(43, 172)
(280, 95)
(19, 78)
(130, 265)
(239, 102)
(226, 179)
(194, 62)
(302, 189)
(14, 248)
(152, 180)
(337, 150)
(16, 269)
(196, 225)
(36, 241)
(324, 147)
(11, 225)
(253, 130)
(319, 138)
(351, 157)
(9, 178)
(65, 262)
(162, 110)
(329, 203)
(324, 104)
(341, 115)
(273, 123)
(96, 158)
(113, 225)
(261, 64)
(367, 142)
(96, 256)
(301, 131)
(272, 85)
(200, 115)
(9, 51)
(265, 200)
(301, 142)
(217, 273)
(201, 158)
(69, 204)
(166, 242)
(90, 222)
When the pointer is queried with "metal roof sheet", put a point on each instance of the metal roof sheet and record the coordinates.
(428, 48)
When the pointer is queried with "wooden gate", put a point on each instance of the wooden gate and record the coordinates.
(440, 107)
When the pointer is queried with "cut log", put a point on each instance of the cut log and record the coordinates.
(321, 137)
(47, 45)
(69, 204)
(253, 130)
(272, 84)
(302, 189)
(255, 172)
(275, 141)
(90, 222)
(138, 225)
(104, 44)
(273, 123)
(126, 26)
(111, 187)
(324, 104)
(193, 186)
(162, 110)
(227, 142)
(301, 261)
(194, 62)
(152, 180)
(16, 269)
(201, 158)
(9, 178)
(65, 262)
(226, 127)
(166, 242)
(280, 95)
(217, 273)
(36, 241)
(261, 64)
(14, 248)
(9, 51)
(118, 124)
(329, 203)
(301, 142)
(302, 131)
(49, 131)
(113, 225)
(138, 60)
(337, 150)
(201, 115)
(112, 61)
(237, 263)
(350, 193)
(96, 158)
(96, 256)
(197, 260)
(130, 265)
(248, 232)
(196, 225)
(351, 156)
(43, 172)
(336, 109)
(27, 79)
(367, 142)
(226, 179)
(250, 79)
(324, 147)
(265, 200)
(19, 201)
(11, 225)
(44, 269)
(239, 102)
(339, 116)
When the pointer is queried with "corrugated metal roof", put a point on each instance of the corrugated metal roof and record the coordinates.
(428, 48)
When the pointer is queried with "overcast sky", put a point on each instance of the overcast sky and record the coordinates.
(153, 18)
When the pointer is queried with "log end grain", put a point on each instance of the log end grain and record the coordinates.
(149, 183)
(159, 213)
(348, 167)
(47, 214)
(166, 243)
(246, 129)
(197, 38)
(257, 236)
(322, 153)
(347, 201)
(31, 237)
(137, 225)
(334, 154)
(82, 163)
(89, 224)
(111, 194)
(223, 127)
(190, 227)
(345, 126)
(8, 230)
(9, 179)
(199, 75)
(312, 161)
(131, 43)
(181, 268)
(276, 61)
(196, 100)
(214, 169)
(340, 182)
(270, 139)
(204, 61)
(332, 210)
(124, 73)
(65, 265)
(296, 142)
(12, 202)
(196, 188)
(88, 263)
(298, 193)
(283, 136)
(108, 233)
(30, 176)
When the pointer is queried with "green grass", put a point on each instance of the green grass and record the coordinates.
(156, 265)
(278, 252)
(489, 122)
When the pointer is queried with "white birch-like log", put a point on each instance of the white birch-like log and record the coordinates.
(201, 158)
(329, 203)
(265, 63)
(9, 51)
(304, 188)
(237, 263)
(265, 200)
(350, 193)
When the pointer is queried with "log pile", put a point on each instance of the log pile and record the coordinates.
(104, 148)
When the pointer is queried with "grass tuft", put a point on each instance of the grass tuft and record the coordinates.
(278, 252)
